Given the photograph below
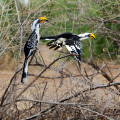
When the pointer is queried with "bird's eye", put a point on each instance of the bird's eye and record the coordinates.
(88, 35)
(38, 20)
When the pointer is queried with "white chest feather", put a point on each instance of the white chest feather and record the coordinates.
(61, 40)
(38, 35)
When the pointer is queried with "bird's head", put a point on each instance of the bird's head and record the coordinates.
(36, 23)
(91, 35)
(42, 19)
(86, 35)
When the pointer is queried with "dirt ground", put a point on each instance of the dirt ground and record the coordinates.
(56, 88)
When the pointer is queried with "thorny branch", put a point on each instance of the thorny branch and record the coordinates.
(42, 73)
(15, 29)
(75, 95)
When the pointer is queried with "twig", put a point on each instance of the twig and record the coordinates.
(52, 103)
(21, 33)
(95, 112)
(68, 98)
(5, 94)
(41, 74)
(92, 88)
(102, 72)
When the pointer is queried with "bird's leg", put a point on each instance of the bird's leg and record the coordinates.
(37, 48)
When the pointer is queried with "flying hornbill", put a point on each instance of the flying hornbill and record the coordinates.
(70, 40)
(31, 44)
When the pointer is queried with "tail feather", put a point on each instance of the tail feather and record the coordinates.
(79, 61)
(49, 38)
(78, 58)
(25, 69)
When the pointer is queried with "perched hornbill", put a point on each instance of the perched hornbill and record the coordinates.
(70, 40)
(31, 44)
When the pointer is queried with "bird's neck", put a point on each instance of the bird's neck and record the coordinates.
(82, 36)
(36, 30)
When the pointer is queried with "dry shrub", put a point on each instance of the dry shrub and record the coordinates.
(56, 88)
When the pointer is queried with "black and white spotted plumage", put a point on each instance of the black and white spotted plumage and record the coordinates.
(76, 48)
(31, 44)
(70, 40)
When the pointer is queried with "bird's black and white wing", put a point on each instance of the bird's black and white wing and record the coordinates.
(28, 50)
(52, 39)
(49, 38)
(57, 41)
(31, 44)
(71, 41)
(75, 47)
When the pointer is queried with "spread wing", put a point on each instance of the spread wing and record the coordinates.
(75, 47)
(71, 41)
(57, 41)
(53, 41)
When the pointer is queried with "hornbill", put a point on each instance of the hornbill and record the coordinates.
(31, 44)
(70, 40)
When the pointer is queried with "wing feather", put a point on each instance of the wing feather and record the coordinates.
(75, 48)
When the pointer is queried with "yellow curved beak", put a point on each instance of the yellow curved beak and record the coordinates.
(92, 36)
(42, 19)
